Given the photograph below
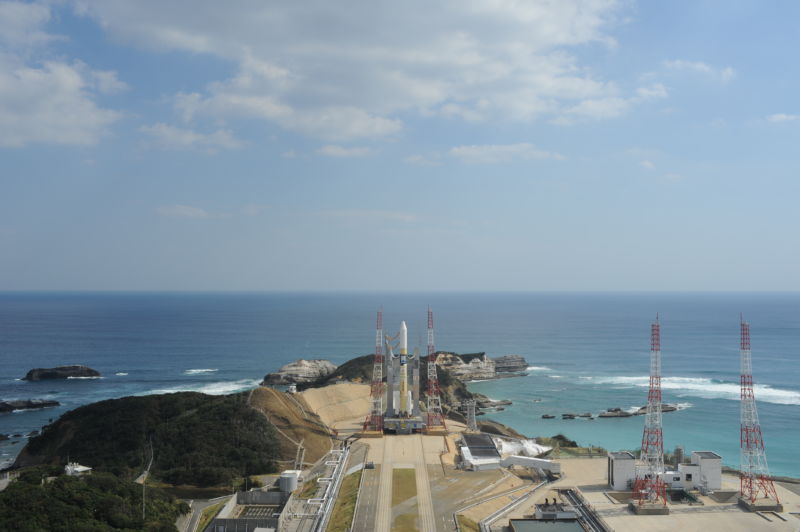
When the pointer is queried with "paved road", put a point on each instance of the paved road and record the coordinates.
(383, 515)
(197, 510)
(427, 521)
(368, 501)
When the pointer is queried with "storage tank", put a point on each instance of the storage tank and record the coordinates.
(288, 480)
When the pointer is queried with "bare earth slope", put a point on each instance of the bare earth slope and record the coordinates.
(338, 402)
(294, 423)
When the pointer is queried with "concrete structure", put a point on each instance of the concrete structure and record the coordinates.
(704, 473)
(621, 470)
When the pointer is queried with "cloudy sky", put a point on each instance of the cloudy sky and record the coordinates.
(454, 145)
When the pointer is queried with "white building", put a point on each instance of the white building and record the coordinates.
(704, 473)
(621, 470)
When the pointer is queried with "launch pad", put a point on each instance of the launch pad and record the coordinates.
(395, 386)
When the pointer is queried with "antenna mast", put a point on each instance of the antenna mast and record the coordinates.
(649, 487)
(755, 477)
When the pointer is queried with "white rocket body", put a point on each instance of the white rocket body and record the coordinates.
(404, 402)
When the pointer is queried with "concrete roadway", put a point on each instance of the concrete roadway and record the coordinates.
(398, 451)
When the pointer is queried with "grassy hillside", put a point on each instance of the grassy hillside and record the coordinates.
(100, 502)
(197, 439)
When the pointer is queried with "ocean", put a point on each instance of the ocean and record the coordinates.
(587, 352)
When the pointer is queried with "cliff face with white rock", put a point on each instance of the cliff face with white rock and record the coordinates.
(467, 367)
(300, 371)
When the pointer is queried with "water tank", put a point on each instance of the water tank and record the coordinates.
(288, 480)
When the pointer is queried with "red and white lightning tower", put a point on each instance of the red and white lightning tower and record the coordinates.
(374, 421)
(649, 487)
(435, 415)
(755, 473)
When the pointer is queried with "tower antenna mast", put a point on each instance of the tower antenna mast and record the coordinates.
(649, 487)
(755, 477)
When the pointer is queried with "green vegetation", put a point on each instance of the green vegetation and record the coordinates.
(96, 503)
(404, 485)
(466, 524)
(197, 439)
(208, 514)
(405, 523)
(358, 369)
(342, 515)
(308, 490)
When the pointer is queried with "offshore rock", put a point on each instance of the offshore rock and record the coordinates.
(510, 364)
(61, 372)
(27, 404)
(300, 371)
(467, 367)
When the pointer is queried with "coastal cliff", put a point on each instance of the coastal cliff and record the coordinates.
(300, 372)
(472, 366)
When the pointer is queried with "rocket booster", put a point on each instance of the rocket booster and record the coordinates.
(403, 340)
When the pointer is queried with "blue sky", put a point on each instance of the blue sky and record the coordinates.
(486, 145)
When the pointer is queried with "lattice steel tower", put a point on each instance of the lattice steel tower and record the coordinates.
(755, 472)
(374, 421)
(649, 486)
(435, 415)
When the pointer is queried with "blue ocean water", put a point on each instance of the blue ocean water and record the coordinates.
(587, 352)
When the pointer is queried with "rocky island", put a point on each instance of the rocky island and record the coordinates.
(300, 372)
(26, 404)
(61, 372)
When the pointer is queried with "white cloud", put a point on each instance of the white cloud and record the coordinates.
(782, 117)
(647, 164)
(372, 215)
(21, 24)
(332, 150)
(343, 72)
(182, 211)
(654, 91)
(52, 103)
(724, 74)
(43, 100)
(291, 154)
(166, 136)
(500, 153)
(253, 209)
(423, 160)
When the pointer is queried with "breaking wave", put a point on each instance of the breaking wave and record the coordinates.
(199, 371)
(538, 368)
(213, 388)
(120, 373)
(705, 388)
(84, 378)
